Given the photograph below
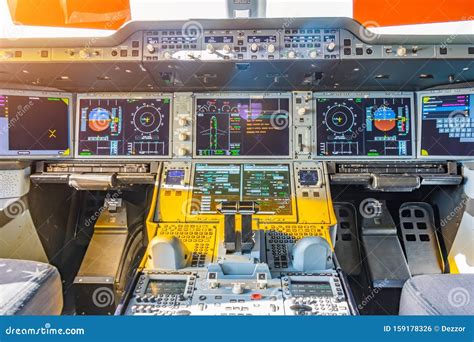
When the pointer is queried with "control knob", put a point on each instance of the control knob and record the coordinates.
(182, 137)
(291, 54)
(167, 55)
(84, 54)
(313, 54)
(182, 152)
(401, 51)
(210, 48)
(237, 288)
(150, 48)
(183, 121)
(331, 46)
(226, 48)
(271, 48)
(254, 47)
(301, 111)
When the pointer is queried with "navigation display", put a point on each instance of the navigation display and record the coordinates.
(447, 124)
(120, 127)
(368, 126)
(34, 125)
(267, 185)
(243, 126)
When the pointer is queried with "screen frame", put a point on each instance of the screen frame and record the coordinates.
(369, 94)
(38, 93)
(439, 92)
(122, 96)
(237, 95)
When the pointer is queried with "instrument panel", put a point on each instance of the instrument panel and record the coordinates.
(365, 125)
(35, 124)
(298, 125)
(118, 127)
(446, 124)
(242, 126)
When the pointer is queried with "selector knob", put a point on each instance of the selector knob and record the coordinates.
(150, 48)
(301, 111)
(226, 48)
(182, 136)
(210, 48)
(271, 48)
(291, 54)
(401, 51)
(313, 54)
(183, 121)
(254, 47)
(84, 54)
(331, 46)
(167, 55)
(237, 288)
(182, 152)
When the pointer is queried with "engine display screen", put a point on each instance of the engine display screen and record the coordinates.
(35, 126)
(120, 127)
(364, 126)
(158, 287)
(242, 126)
(267, 185)
(447, 125)
(311, 288)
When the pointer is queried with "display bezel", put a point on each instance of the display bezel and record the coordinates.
(233, 95)
(370, 94)
(69, 96)
(444, 92)
(122, 96)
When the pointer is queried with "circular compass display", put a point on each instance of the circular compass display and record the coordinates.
(339, 118)
(147, 119)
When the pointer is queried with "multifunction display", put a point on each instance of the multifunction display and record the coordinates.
(243, 126)
(369, 126)
(124, 127)
(267, 185)
(34, 126)
(447, 125)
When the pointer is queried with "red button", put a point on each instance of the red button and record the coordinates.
(255, 296)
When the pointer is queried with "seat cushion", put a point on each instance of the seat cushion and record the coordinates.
(29, 288)
(438, 294)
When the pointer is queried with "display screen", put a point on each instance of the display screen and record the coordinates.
(267, 185)
(34, 126)
(124, 127)
(364, 126)
(158, 287)
(447, 125)
(242, 127)
(311, 288)
(219, 39)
